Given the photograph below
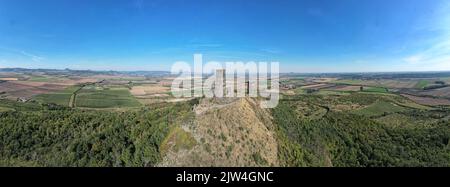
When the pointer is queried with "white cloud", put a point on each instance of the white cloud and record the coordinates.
(413, 59)
(437, 57)
(270, 50)
(32, 56)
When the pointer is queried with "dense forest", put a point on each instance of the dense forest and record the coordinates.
(50, 135)
(57, 136)
(346, 139)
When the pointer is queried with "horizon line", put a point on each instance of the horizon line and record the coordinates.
(364, 72)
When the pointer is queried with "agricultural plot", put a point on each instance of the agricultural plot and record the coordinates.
(60, 98)
(352, 82)
(422, 84)
(345, 88)
(387, 83)
(96, 97)
(446, 80)
(402, 120)
(317, 86)
(4, 109)
(439, 92)
(149, 90)
(379, 108)
(150, 93)
(56, 98)
(428, 100)
(375, 89)
(393, 83)
(41, 79)
(9, 79)
(24, 89)
(331, 92)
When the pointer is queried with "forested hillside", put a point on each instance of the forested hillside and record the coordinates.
(66, 137)
(356, 129)
(347, 139)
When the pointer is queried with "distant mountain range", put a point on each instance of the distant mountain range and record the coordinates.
(85, 72)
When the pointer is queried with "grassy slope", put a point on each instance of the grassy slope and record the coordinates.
(379, 108)
(179, 139)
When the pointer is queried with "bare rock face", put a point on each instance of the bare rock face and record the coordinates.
(227, 132)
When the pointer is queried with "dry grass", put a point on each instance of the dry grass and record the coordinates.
(440, 92)
(23, 89)
(150, 93)
(231, 132)
(154, 90)
(9, 79)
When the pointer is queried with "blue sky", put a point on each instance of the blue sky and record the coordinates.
(304, 36)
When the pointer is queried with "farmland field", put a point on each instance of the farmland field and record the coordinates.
(349, 81)
(9, 79)
(56, 98)
(106, 98)
(379, 108)
(60, 98)
(25, 89)
(428, 100)
(439, 92)
(345, 88)
(387, 83)
(331, 92)
(375, 89)
(422, 84)
(402, 120)
(4, 109)
(321, 121)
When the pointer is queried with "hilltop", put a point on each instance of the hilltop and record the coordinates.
(225, 132)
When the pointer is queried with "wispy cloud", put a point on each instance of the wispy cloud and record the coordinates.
(437, 56)
(272, 51)
(413, 59)
(204, 45)
(33, 57)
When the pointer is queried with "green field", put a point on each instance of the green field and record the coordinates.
(331, 92)
(40, 79)
(379, 108)
(56, 98)
(422, 84)
(105, 98)
(349, 81)
(60, 98)
(8, 105)
(91, 97)
(4, 109)
(375, 89)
